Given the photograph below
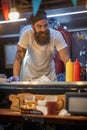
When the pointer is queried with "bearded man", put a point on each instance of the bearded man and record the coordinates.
(41, 43)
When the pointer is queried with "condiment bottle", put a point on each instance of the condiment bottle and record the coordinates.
(69, 71)
(76, 70)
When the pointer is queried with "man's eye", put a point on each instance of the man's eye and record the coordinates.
(39, 26)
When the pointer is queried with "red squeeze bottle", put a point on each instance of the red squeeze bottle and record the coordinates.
(76, 70)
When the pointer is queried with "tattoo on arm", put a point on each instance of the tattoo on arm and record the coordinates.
(20, 54)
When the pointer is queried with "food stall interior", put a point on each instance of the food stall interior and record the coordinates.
(75, 23)
(73, 18)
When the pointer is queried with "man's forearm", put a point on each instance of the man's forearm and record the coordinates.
(18, 60)
(16, 68)
(64, 54)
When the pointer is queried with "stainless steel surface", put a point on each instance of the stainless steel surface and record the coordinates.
(45, 83)
(35, 84)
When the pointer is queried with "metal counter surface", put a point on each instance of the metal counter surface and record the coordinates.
(34, 84)
(43, 87)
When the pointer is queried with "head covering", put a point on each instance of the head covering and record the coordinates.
(39, 16)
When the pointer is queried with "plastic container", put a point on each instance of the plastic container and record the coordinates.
(69, 71)
(76, 71)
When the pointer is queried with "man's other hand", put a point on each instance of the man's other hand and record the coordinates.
(13, 78)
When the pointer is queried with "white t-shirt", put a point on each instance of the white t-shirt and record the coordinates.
(40, 59)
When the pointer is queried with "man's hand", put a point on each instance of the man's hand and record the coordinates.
(12, 78)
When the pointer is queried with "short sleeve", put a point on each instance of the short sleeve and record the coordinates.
(59, 41)
(25, 39)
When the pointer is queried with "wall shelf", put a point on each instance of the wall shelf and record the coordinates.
(77, 29)
(9, 35)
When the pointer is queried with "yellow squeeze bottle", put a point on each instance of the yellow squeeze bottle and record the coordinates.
(69, 71)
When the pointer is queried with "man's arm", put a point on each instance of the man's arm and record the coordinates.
(64, 54)
(18, 60)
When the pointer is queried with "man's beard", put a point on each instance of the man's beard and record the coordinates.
(42, 38)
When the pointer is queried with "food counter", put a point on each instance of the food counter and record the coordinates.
(41, 88)
(52, 88)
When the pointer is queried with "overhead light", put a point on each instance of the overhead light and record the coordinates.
(64, 14)
(10, 21)
(13, 14)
